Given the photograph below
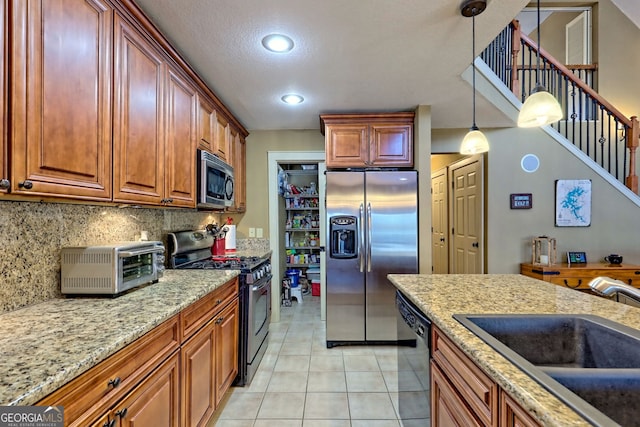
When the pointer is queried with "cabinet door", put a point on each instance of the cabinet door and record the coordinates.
(62, 98)
(198, 376)
(391, 145)
(4, 170)
(238, 156)
(206, 124)
(512, 415)
(156, 401)
(226, 336)
(138, 143)
(447, 408)
(346, 145)
(222, 137)
(180, 146)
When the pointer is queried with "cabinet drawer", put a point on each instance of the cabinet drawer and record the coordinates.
(199, 313)
(475, 387)
(92, 393)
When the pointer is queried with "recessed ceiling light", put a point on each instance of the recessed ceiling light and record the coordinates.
(277, 43)
(292, 99)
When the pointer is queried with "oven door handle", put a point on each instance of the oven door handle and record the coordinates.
(267, 281)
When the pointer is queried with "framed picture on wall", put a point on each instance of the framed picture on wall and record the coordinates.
(573, 202)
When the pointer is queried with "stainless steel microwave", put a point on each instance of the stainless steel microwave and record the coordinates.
(215, 182)
(110, 269)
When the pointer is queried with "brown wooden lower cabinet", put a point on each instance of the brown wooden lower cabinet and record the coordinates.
(463, 395)
(155, 402)
(226, 354)
(512, 415)
(447, 408)
(174, 375)
(209, 365)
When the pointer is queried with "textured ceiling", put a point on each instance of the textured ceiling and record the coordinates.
(349, 56)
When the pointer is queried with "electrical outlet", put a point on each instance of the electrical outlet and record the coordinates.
(252, 232)
(259, 233)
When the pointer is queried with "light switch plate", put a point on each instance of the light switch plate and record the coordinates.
(252, 232)
(259, 233)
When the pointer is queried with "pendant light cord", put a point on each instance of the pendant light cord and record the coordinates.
(473, 63)
(538, 50)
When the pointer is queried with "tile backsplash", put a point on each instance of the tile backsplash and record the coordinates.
(32, 234)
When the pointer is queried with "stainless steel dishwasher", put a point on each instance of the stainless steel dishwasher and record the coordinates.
(413, 363)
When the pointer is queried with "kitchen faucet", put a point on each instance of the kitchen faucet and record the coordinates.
(609, 287)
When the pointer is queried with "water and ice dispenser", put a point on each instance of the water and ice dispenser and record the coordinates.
(343, 230)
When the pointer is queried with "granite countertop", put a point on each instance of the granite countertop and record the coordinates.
(46, 345)
(441, 296)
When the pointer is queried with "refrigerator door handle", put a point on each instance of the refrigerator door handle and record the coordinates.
(361, 242)
(369, 236)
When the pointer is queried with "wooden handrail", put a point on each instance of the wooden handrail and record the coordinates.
(588, 67)
(574, 79)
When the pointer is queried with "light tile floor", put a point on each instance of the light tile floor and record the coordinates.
(301, 383)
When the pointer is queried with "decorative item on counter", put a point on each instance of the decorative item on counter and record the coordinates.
(543, 250)
(614, 259)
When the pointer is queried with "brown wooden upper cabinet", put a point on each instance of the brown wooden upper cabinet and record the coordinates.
(222, 138)
(206, 124)
(5, 183)
(238, 156)
(138, 148)
(180, 140)
(61, 98)
(103, 108)
(368, 140)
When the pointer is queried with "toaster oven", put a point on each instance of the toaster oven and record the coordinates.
(110, 269)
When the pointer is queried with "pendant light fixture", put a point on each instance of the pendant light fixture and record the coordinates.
(474, 142)
(540, 108)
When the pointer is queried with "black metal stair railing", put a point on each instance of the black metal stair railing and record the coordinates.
(590, 123)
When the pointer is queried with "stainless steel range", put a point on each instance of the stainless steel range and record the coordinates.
(192, 250)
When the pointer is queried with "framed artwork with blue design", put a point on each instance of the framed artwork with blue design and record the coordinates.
(573, 203)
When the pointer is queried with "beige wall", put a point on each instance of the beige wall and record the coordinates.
(259, 143)
(509, 232)
(618, 42)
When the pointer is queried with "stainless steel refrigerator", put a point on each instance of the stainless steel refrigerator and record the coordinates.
(372, 226)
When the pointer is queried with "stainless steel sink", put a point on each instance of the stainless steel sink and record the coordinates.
(591, 363)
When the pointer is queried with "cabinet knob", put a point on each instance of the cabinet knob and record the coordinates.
(169, 200)
(220, 320)
(114, 382)
(5, 184)
(110, 423)
(122, 413)
(26, 184)
(218, 302)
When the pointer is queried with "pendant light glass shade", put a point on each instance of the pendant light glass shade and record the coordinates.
(539, 109)
(474, 142)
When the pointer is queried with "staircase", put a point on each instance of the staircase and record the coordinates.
(590, 123)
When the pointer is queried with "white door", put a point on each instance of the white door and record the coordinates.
(467, 232)
(439, 222)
